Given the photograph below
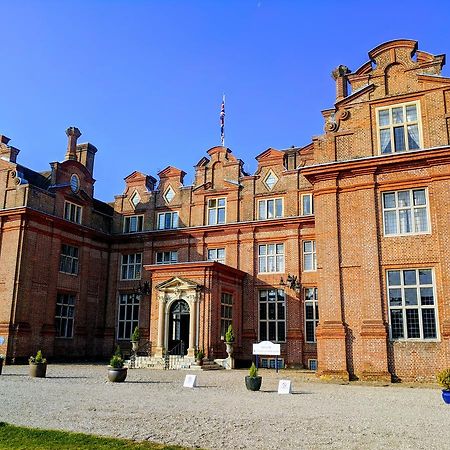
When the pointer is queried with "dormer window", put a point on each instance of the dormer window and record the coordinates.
(399, 128)
(169, 194)
(270, 180)
(74, 183)
(72, 212)
(135, 199)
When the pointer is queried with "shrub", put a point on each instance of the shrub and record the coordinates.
(229, 336)
(200, 354)
(253, 373)
(443, 378)
(38, 359)
(116, 362)
(136, 335)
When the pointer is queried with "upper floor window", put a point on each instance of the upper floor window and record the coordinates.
(167, 220)
(131, 266)
(216, 254)
(135, 199)
(68, 262)
(311, 314)
(271, 258)
(270, 208)
(272, 315)
(270, 180)
(216, 210)
(74, 183)
(72, 212)
(169, 194)
(133, 224)
(307, 206)
(405, 212)
(64, 315)
(170, 257)
(309, 256)
(398, 128)
(412, 304)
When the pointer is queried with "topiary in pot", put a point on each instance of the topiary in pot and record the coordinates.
(135, 339)
(443, 379)
(37, 365)
(199, 355)
(253, 381)
(117, 373)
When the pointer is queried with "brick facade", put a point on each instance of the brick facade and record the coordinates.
(351, 171)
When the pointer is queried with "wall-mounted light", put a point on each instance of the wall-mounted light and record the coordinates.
(291, 282)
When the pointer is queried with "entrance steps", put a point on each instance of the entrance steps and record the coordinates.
(174, 362)
(211, 365)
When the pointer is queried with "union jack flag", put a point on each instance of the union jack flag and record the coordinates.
(222, 121)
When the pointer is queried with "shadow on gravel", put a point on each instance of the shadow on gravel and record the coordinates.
(14, 375)
(148, 382)
(205, 387)
(292, 393)
(68, 378)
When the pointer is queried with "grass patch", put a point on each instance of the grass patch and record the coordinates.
(22, 438)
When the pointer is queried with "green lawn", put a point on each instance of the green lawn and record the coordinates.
(22, 438)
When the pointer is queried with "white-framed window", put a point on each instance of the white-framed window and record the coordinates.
(74, 183)
(271, 258)
(68, 262)
(72, 212)
(399, 127)
(412, 304)
(226, 312)
(307, 205)
(64, 316)
(216, 254)
(311, 314)
(131, 266)
(128, 315)
(217, 210)
(405, 212)
(270, 180)
(309, 256)
(270, 208)
(169, 257)
(169, 194)
(272, 315)
(135, 199)
(133, 224)
(167, 220)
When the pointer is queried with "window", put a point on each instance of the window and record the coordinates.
(405, 212)
(216, 210)
(65, 310)
(167, 220)
(72, 212)
(309, 256)
(272, 315)
(169, 194)
(68, 262)
(307, 205)
(311, 314)
(226, 312)
(216, 254)
(131, 266)
(166, 257)
(133, 224)
(128, 315)
(270, 208)
(270, 180)
(135, 199)
(74, 183)
(271, 258)
(412, 304)
(398, 128)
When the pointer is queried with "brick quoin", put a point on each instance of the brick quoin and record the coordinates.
(346, 172)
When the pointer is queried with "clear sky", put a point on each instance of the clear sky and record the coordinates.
(143, 80)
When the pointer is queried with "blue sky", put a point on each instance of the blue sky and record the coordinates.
(143, 80)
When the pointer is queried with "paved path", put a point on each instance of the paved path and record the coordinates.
(222, 414)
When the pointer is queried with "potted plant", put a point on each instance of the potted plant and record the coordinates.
(116, 370)
(443, 378)
(253, 381)
(37, 365)
(135, 339)
(229, 339)
(1, 362)
(199, 355)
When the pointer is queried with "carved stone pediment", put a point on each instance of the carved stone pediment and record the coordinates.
(177, 284)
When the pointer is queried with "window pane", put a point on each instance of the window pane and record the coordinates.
(409, 277)
(310, 331)
(426, 296)
(383, 117)
(397, 324)
(397, 115)
(399, 139)
(394, 278)
(221, 202)
(419, 197)
(429, 324)
(410, 296)
(413, 137)
(262, 265)
(161, 221)
(307, 246)
(212, 216)
(389, 200)
(262, 209)
(272, 331)
(395, 297)
(405, 221)
(309, 311)
(279, 207)
(262, 250)
(412, 323)
(308, 261)
(411, 113)
(281, 331)
(263, 331)
(420, 220)
(270, 209)
(390, 222)
(221, 215)
(425, 276)
(385, 141)
(280, 311)
(404, 199)
(175, 220)
(271, 311)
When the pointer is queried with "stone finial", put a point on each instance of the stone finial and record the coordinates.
(340, 76)
(73, 134)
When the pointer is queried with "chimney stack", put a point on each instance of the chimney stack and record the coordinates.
(73, 134)
(340, 76)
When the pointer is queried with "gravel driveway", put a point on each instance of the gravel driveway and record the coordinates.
(222, 414)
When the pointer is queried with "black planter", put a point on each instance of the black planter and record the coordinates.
(1, 365)
(117, 375)
(37, 370)
(253, 383)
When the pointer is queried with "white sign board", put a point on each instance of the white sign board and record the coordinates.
(190, 381)
(285, 387)
(267, 348)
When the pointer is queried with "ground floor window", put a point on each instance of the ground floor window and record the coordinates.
(65, 311)
(412, 304)
(311, 314)
(128, 315)
(226, 312)
(272, 315)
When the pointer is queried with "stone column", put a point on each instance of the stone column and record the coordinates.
(192, 327)
(159, 350)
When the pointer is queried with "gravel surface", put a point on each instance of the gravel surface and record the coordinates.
(221, 414)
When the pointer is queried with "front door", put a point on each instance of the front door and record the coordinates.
(179, 328)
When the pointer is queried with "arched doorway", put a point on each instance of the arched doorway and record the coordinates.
(179, 328)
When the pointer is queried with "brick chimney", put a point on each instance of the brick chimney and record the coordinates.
(7, 152)
(73, 134)
(340, 76)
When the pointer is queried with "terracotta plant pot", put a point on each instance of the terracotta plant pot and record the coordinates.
(37, 370)
(253, 383)
(117, 375)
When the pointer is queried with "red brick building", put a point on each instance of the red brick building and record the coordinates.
(357, 221)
